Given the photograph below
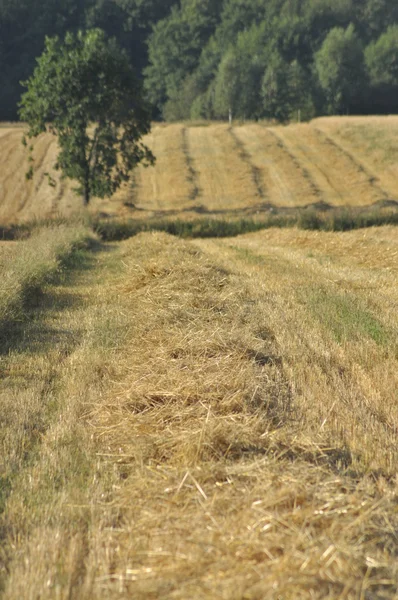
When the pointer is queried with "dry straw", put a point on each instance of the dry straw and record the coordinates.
(221, 491)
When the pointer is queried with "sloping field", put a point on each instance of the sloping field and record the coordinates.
(25, 200)
(218, 170)
(206, 419)
(371, 142)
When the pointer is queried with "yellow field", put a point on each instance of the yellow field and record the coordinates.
(220, 170)
(211, 418)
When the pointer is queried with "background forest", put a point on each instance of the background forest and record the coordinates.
(201, 58)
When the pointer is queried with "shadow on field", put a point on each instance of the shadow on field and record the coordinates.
(337, 460)
(199, 222)
(27, 333)
(261, 207)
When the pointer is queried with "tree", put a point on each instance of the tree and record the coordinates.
(85, 92)
(382, 58)
(286, 89)
(275, 90)
(341, 69)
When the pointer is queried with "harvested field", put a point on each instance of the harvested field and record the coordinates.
(373, 141)
(208, 419)
(225, 180)
(217, 170)
(26, 200)
(286, 182)
(339, 178)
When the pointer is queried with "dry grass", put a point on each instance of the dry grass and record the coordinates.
(336, 319)
(25, 266)
(225, 180)
(373, 141)
(337, 175)
(167, 186)
(201, 432)
(53, 367)
(285, 181)
(22, 200)
(236, 483)
(216, 170)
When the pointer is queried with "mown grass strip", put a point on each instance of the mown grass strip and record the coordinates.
(341, 314)
(27, 265)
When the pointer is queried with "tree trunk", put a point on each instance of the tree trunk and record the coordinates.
(87, 191)
(86, 195)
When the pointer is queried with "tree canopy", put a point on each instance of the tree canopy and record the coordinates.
(183, 50)
(84, 91)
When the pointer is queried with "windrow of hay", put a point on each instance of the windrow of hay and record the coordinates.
(373, 143)
(286, 183)
(218, 170)
(177, 423)
(335, 317)
(26, 265)
(225, 180)
(336, 174)
(220, 489)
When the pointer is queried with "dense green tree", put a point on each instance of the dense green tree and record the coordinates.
(373, 17)
(382, 58)
(23, 26)
(182, 48)
(340, 67)
(85, 92)
(175, 46)
(286, 91)
(226, 86)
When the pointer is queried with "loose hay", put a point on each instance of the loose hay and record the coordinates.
(216, 492)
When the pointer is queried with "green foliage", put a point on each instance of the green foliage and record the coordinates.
(382, 58)
(175, 47)
(84, 91)
(340, 67)
(186, 48)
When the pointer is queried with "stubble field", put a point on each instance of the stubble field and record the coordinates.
(206, 418)
(219, 170)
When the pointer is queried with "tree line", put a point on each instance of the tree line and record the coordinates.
(277, 59)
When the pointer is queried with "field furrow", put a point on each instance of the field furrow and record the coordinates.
(225, 179)
(373, 140)
(286, 182)
(167, 186)
(339, 178)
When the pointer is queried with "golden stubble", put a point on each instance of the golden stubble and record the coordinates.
(247, 463)
(217, 170)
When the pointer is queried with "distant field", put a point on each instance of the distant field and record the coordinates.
(217, 170)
